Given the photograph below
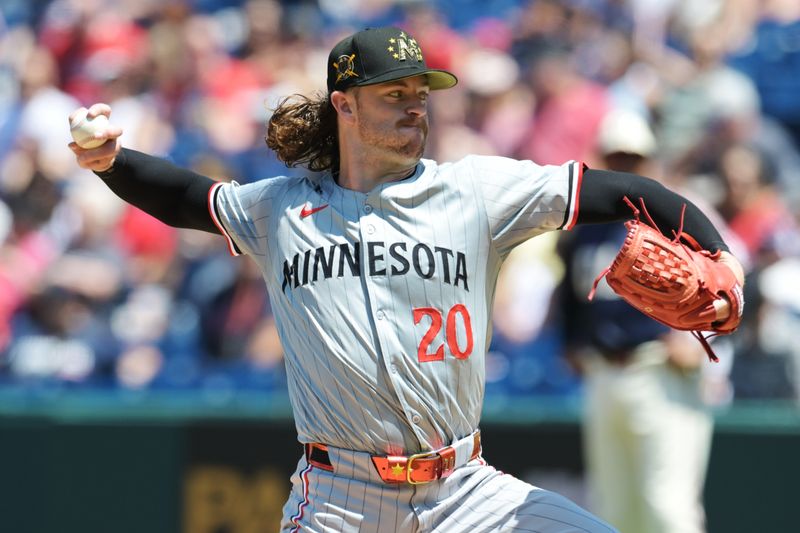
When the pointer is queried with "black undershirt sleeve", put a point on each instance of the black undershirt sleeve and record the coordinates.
(602, 200)
(179, 197)
(176, 196)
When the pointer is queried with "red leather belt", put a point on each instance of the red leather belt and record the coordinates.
(414, 469)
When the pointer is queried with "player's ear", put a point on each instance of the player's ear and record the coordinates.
(344, 104)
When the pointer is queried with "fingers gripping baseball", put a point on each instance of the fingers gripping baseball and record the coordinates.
(724, 306)
(96, 141)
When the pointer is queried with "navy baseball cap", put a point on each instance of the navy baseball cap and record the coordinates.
(376, 55)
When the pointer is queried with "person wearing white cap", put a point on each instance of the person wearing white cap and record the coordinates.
(646, 430)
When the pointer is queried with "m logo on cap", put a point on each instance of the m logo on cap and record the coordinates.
(404, 47)
(378, 55)
(344, 67)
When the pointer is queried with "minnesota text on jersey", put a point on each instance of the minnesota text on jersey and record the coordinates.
(394, 259)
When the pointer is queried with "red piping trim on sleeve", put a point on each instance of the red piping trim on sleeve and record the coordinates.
(576, 191)
(212, 210)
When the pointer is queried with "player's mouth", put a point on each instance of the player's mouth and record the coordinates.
(412, 130)
(413, 124)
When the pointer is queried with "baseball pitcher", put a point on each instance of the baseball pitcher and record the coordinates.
(381, 267)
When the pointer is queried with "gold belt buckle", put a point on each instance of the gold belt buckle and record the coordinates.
(416, 457)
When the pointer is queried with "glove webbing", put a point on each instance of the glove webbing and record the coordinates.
(679, 237)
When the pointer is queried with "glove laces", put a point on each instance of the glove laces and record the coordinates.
(678, 238)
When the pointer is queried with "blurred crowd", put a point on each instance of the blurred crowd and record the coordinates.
(94, 293)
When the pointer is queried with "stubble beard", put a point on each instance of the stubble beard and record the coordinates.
(397, 139)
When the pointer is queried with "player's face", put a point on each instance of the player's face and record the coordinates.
(393, 118)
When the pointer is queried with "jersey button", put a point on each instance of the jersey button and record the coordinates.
(368, 209)
(370, 229)
(380, 315)
(416, 419)
(393, 368)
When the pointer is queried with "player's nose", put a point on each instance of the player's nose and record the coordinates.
(418, 107)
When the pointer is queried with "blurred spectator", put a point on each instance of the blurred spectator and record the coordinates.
(48, 339)
(38, 129)
(568, 111)
(699, 95)
(647, 432)
(771, 59)
(779, 317)
(752, 206)
(232, 303)
(522, 326)
(766, 358)
(539, 26)
(34, 239)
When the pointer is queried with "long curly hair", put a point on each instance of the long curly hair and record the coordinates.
(302, 131)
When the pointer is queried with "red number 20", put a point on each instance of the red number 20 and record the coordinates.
(450, 333)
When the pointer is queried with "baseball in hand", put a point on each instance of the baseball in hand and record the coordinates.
(83, 129)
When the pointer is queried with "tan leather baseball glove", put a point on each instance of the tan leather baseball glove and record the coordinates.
(674, 281)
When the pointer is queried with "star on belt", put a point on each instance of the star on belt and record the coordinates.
(398, 470)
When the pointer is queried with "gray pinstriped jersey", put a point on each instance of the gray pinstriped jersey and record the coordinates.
(383, 299)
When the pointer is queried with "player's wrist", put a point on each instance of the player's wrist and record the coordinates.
(115, 163)
(106, 172)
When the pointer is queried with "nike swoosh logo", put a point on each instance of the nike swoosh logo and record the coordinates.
(307, 211)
